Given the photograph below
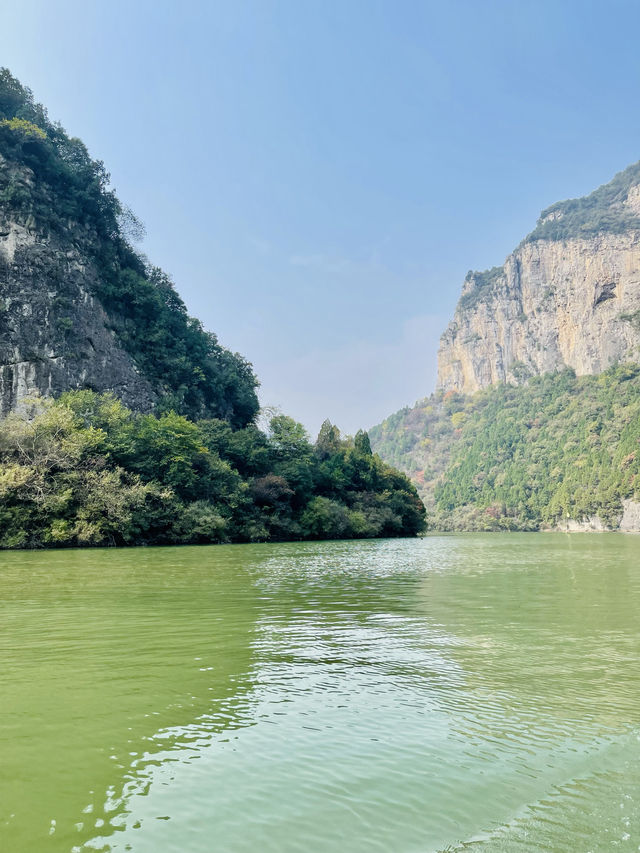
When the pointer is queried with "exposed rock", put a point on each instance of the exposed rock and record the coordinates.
(585, 525)
(54, 335)
(79, 306)
(554, 304)
(528, 458)
(630, 521)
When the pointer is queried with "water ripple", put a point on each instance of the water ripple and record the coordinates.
(444, 694)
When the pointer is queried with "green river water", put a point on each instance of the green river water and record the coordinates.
(477, 692)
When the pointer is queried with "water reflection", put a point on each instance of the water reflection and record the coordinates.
(458, 691)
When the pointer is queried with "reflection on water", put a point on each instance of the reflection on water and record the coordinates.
(462, 692)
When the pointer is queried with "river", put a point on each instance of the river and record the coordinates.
(476, 692)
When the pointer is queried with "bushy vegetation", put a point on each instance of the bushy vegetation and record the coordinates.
(84, 470)
(49, 182)
(483, 283)
(525, 457)
(603, 210)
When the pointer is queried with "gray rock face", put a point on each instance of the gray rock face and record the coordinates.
(630, 521)
(586, 525)
(554, 304)
(54, 335)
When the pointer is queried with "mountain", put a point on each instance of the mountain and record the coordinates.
(146, 431)
(568, 296)
(535, 420)
(79, 307)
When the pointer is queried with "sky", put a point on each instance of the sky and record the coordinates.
(318, 176)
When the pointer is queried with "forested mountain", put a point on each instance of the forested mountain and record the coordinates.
(558, 450)
(79, 307)
(125, 422)
(536, 417)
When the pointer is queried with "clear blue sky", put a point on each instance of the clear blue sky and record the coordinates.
(318, 177)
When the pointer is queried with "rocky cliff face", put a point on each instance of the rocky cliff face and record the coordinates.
(79, 306)
(564, 298)
(54, 335)
(557, 453)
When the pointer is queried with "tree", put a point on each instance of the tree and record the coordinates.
(361, 443)
(85, 470)
(328, 440)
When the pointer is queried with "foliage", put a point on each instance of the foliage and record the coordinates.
(88, 471)
(601, 211)
(478, 285)
(49, 182)
(633, 318)
(23, 128)
(526, 457)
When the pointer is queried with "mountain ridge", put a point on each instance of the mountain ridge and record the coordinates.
(567, 296)
(79, 306)
(145, 431)
(539, 361)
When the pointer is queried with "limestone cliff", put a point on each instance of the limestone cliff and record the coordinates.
(568, 296)
(79, 306)
(54, 334)
(560, 451)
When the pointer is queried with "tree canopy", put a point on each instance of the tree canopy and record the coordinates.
(523, 457)
(88, 471)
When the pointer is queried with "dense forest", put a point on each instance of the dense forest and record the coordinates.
(84, 470)
(522, 458)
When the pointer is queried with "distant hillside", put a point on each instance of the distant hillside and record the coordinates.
(560, 451)
(79, 307)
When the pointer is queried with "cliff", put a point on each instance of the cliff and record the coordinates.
(54, 333)
(535, 422)
(178, 458)
(568, 296)
(79, 307)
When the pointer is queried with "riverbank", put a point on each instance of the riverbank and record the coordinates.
(492, 520)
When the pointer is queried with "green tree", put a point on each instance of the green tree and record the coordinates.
(361, 443)
(328, 440)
